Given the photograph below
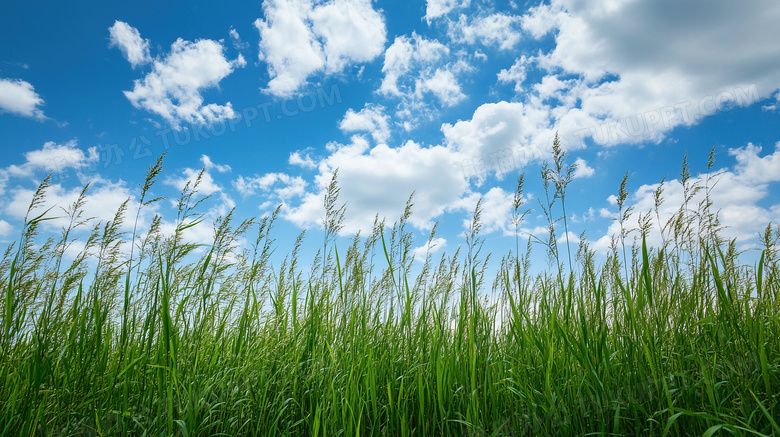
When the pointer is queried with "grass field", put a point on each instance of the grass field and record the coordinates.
(154, 335)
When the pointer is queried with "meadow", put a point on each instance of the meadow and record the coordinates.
(147, 333)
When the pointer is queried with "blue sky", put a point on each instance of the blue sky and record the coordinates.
(449, 99)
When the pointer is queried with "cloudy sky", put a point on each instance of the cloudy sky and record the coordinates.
(448, 99)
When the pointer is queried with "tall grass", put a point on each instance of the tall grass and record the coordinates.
(214, 339)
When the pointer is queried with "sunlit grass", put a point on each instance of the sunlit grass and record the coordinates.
(188, 339)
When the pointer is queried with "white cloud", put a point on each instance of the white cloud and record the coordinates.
(371, 119)
(754, 168)
(582, 170)
(288, 45)
(430, 247)
(496, 129)
(540, 20)
(406, 55)
(173, 88)
(415, 67)
(299, 38)
(612, 84)
(503, 136)
(250, 185)
(379, 180)
(609, 74)
(351, 31)
(236, 38)
(5, 228)
(206, 186)
(773, 106)
(552, 86)
(58, 159)
(209, 165)
(234, 34)
(515, 74)
(498, 29)
(283, 186)
(134, 48)
(443, 85)
(496, 210)
(19, 97)
(587, 216)
(572, 237)
(291, 187)
(439, 8)
(302, 161)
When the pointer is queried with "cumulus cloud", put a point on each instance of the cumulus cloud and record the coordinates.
(569, 237)
(605, 81)
(439, 8)
(189, 176)
(443, 85)
(280, 186)
(752, 167)
(134, 48)
(540, 20)
(305, 161)
(496, 210)
(371, 119)
(430, 247)
(210, 165)
(173, 88)
(299, 38)
(5, 228)
(499, 29)
(19, 97)
(405, 55)
(515, 74)
(57, 159)
(379, 180)
(416, 68)
(503, 129)
(610, 82)
(583, 170)
(504, 136)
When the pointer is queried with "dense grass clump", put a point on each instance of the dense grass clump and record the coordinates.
(155, 335)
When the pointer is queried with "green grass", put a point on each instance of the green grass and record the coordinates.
(214, 339)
